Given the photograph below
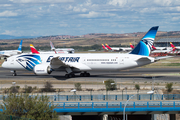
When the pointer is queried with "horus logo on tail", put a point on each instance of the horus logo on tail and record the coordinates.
(145, 45)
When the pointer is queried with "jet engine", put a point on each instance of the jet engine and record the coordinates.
(42, 69)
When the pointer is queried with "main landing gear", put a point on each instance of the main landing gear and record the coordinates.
(85, 74)
(70, 75)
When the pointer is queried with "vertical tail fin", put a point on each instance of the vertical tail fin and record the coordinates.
(108, 47)
(52, 47)
(104, 47)
(145, 45)
(33, 49)
(20, 46)
(172, 45)
(154, 48)
(131, 46)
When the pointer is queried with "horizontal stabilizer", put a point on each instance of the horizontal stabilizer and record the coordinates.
(162, 57)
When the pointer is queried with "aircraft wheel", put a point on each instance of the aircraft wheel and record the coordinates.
(73, 75)
(82, 74)
(14, 74)
(70, 75)
(88, 74)
(67, 76)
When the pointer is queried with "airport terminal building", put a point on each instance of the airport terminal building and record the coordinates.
(165, 42)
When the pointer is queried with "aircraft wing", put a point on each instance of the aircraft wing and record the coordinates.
(57, 62)
(5, 55)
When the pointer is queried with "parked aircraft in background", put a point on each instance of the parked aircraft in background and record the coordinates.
(61, 50)
(104, 47)
(44, 64)
(164, 52)
(7, 53)
(34, 51)
(156, 50)
(174, 47)
(118, 49)
(131, 46)
(161, 48)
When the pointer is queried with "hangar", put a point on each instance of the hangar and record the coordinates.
(165, 42)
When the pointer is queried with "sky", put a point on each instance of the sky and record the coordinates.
(80, 17)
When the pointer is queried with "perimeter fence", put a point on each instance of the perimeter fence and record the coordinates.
(101, 97)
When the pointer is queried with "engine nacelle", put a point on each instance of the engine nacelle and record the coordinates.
(42, 69)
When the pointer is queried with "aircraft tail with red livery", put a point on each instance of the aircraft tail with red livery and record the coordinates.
(131, 46)
(33, 49)
(108, 47)
(174, 48)
(104, 47)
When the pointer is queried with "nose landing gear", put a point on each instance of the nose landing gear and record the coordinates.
(14, 73)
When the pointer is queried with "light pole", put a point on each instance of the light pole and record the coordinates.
(128, 101)
(125, 106)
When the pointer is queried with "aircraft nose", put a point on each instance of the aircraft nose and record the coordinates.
(4, 65)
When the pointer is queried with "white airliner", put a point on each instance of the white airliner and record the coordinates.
(44, 64)
(34, 51)
(61, 50)
(116, 49)
(7, 53)
(174, 47)
(159, 50)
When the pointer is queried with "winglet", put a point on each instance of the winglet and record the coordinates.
(20, 46)
(108, 46)
(33, 49)
(131, 46)
(145, 45)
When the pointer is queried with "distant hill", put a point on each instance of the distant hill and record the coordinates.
(2, 37)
